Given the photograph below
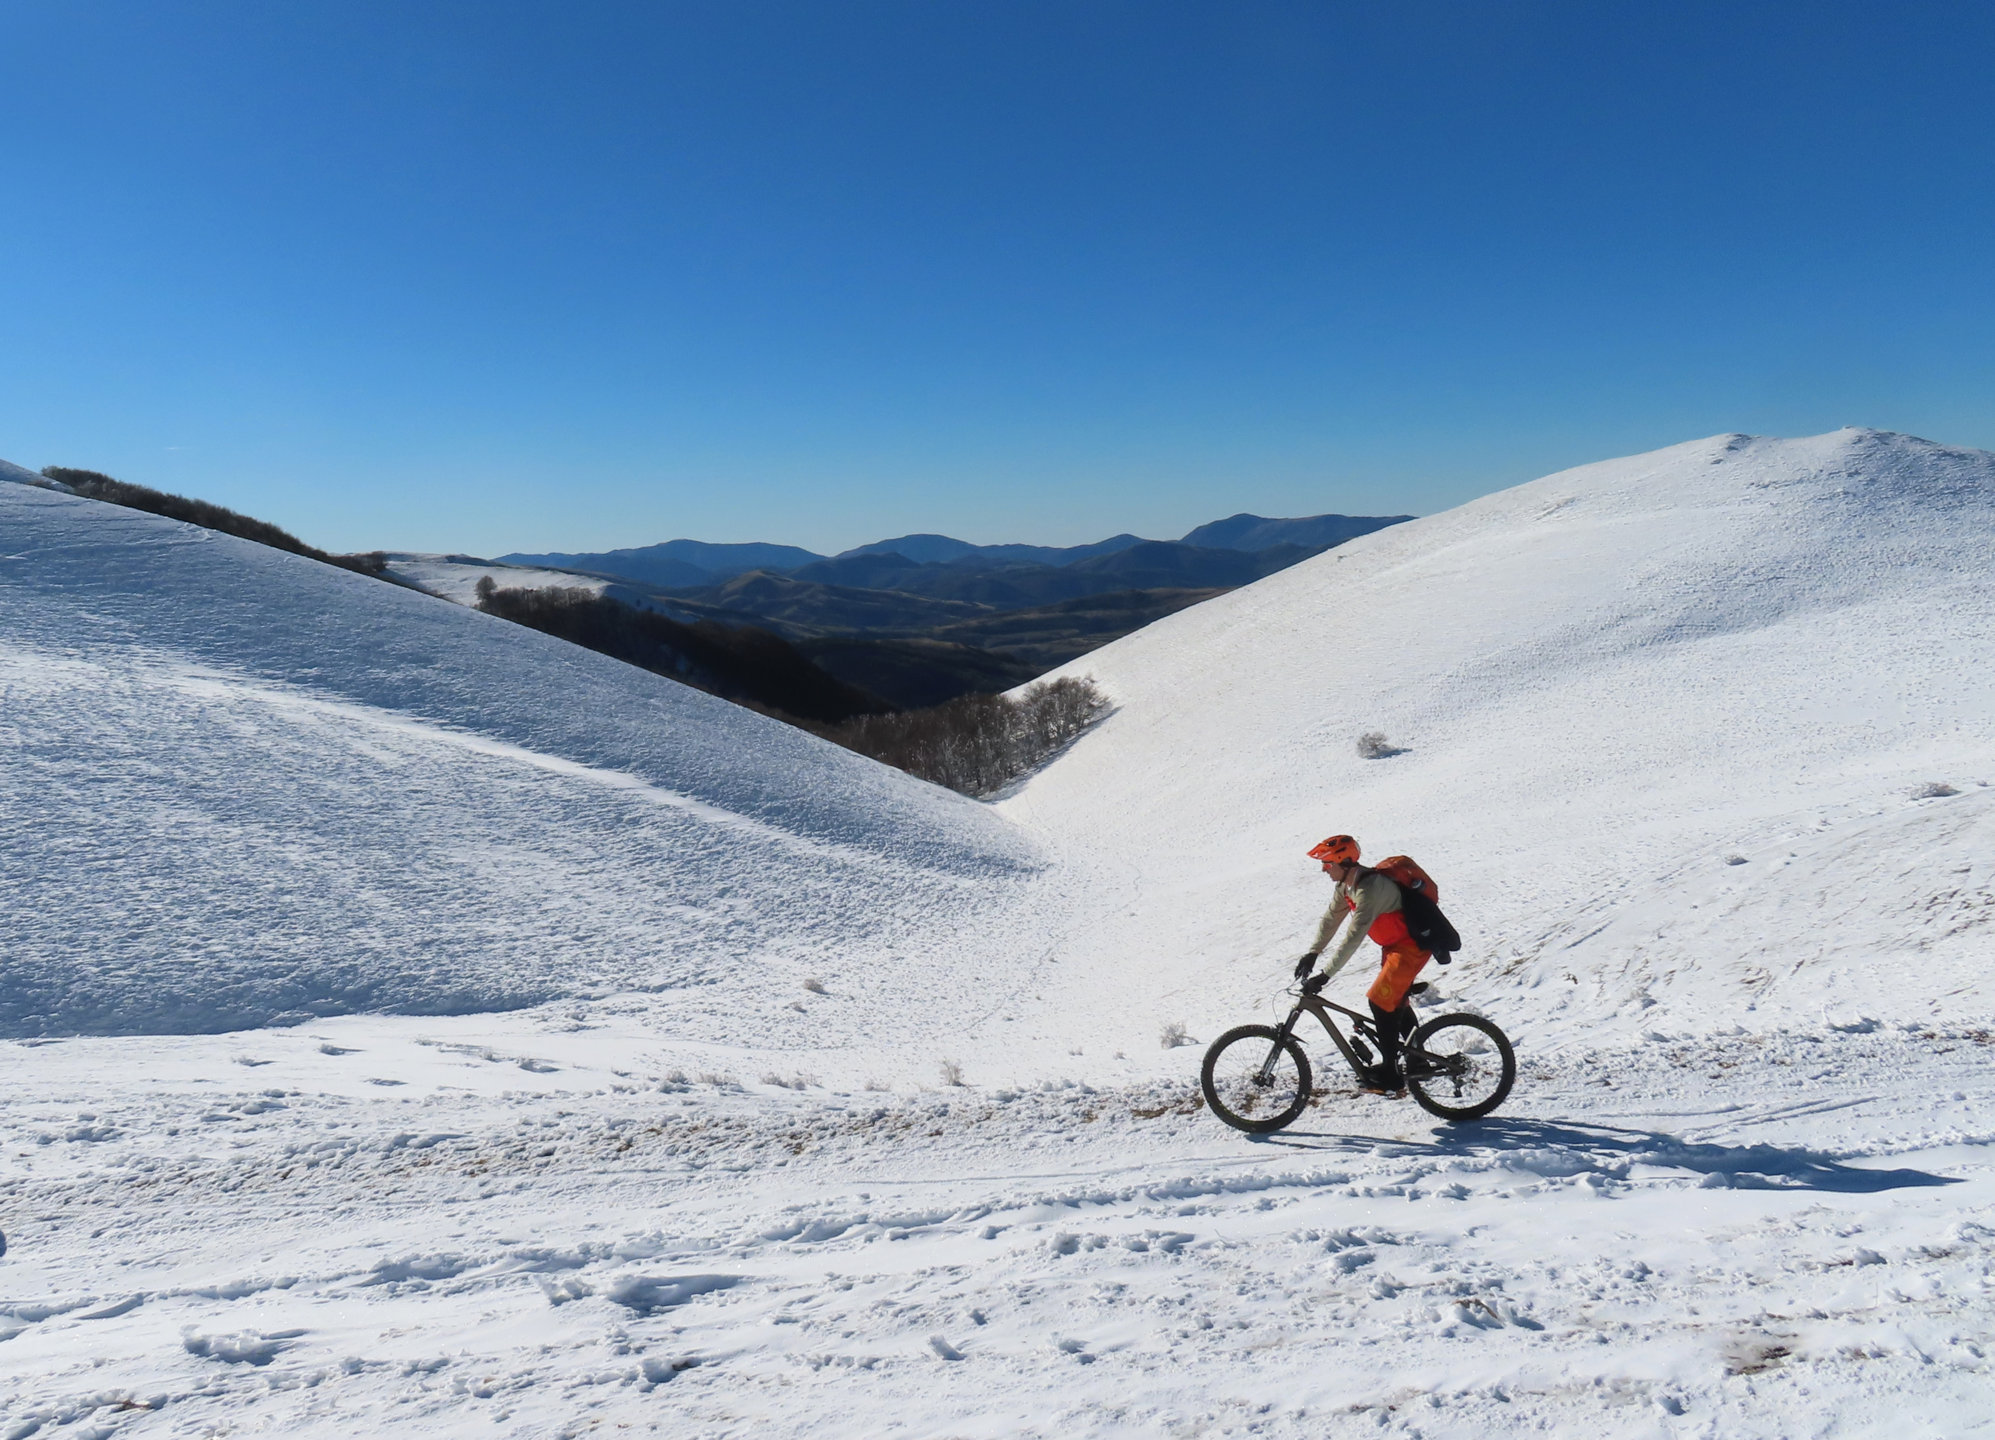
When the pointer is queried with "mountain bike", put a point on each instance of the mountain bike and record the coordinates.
(1256, 1077)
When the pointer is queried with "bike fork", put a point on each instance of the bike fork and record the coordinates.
(1266, 1074)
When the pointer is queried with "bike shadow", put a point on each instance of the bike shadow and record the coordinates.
(1564, 1148)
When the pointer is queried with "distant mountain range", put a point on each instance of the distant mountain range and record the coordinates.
(903, 562)
(920, 618)
(903, 623)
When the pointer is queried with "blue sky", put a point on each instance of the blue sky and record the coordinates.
(490, 276)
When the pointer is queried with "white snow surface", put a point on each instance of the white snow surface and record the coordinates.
(1695, 742)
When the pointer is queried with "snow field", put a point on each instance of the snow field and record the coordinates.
(589, 1251)
(1695, 742)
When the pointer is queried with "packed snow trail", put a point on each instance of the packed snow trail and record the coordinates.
(1764, 1237)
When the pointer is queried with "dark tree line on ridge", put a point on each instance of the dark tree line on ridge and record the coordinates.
(95, 485)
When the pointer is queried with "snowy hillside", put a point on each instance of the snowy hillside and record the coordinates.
(1665, 725)
(243, 786)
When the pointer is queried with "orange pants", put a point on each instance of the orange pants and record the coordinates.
(1399, 964)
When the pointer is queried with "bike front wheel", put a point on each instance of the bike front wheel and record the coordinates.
(1256, 1079)
(1459, 1067)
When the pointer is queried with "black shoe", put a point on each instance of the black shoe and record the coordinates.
(1381, 1080)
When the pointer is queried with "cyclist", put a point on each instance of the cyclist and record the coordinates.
(1372, 901)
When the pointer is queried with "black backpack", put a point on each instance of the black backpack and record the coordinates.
(1428, 926)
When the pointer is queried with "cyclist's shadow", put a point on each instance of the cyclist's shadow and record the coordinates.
(1561, 1149)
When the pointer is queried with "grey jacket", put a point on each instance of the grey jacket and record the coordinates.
(1373, 895)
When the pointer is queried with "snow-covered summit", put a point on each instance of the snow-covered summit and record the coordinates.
(1661, 722)
(241, 784)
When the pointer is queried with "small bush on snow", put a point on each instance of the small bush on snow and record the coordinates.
(1934, 790)
(814, 985)
(1175, 1034)
(951, 1072)
(1373, 745)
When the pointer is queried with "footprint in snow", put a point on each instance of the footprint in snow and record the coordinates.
(246, 1347)
(647, 1293)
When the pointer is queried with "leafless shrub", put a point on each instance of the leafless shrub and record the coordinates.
(1175, 1034)
(978, 744)
(814, 985)
(719, 1082)
(877, 1084)
(1934, 790)
(792, 1082)
(951, 1072)
(1373, 745)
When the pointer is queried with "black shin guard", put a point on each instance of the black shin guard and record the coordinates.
(1393, 1027)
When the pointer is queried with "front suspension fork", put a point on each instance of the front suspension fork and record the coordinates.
(1266, 1074)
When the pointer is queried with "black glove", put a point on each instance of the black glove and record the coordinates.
(1314, 984)
(1306, 964)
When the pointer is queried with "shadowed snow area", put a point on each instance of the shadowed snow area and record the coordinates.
(242, 787)
(1672, 730)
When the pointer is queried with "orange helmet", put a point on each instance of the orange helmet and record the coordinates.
(1337, 850)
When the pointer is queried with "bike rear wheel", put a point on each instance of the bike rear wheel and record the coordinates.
(1256, 1079)
(1459, 1067)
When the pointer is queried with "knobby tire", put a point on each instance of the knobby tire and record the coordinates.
(1229, 1078)
(1481, 1067)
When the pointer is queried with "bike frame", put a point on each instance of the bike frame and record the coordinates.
(1319, 1007)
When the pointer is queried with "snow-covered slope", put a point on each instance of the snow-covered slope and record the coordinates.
(1663, 723)
(456, 577)
(240, 785)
